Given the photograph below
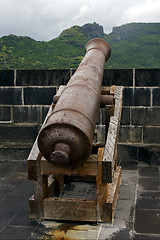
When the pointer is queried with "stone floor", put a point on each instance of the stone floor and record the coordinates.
(137, 215)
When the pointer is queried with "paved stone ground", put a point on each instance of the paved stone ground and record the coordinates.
(137, 215)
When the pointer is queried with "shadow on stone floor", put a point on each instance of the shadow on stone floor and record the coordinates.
(137, 214)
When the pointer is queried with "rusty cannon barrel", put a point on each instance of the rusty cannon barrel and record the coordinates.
(66, 139)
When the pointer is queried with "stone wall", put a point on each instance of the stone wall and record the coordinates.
(27, 94)
(140, 123)
(24, 102)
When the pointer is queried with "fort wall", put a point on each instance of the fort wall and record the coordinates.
(25, 97)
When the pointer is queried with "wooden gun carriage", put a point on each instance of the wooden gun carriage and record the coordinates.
(81, 184)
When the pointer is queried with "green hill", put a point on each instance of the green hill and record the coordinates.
(134, 45)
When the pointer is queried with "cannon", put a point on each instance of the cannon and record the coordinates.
(69, 149)
(66, 138)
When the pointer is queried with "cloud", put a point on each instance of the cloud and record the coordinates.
(83, 12)
(148, 11)
(46, 19)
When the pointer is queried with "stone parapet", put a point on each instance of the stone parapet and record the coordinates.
(27, 94)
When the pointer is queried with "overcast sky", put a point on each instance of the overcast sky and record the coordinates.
(46, 19)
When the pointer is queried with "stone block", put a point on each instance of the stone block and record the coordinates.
(24, 114)
(21, 219)
(147, 221)
(6, 77)
(7, 168)
(10, 153)
(136, 96)
(147, 77)
(143, 155)
(18, 133)
(127, 193)
(154, 158)
(129, 165)
(156, 96)
(39, 95)
(148, 195)
(125, 116)
(144, 203)
(151, 135)
(145, 116)
(5, 113)
(119, 77)
(151, 171)
(10, 96)
(42, 77)
(123, 234)
(146, 237)
(130, 134)
(126, 152)
(148, 183)
(17, 232)
(124, 209)
(118, 231)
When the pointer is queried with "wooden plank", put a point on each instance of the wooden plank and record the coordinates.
(42, 205)
(109, 153)
(99, 135)
(112, 91)
(41, 189)
(69, 209)
(105, 90)
(118, 93)
(102, 188)
(89, 168)
(32, 170)
(78, 209)
(33, 208)
(108, 90)
(109, 109)
(110, 205)
(113, 187)
(115, 159)
(107, 172)
(109, 158)
(35, 153)
(59, 184)
(51, 186)
(118, 102)
(117, 112)
(118, 109)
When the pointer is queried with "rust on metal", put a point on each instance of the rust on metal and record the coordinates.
(66, 138)
(107, 100)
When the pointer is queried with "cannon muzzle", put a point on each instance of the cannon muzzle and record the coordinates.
(66, 139)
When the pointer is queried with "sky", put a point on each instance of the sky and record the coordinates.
(44, 20)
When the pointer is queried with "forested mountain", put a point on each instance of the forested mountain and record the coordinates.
(134, 45)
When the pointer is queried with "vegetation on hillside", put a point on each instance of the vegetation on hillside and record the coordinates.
(135, 45)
